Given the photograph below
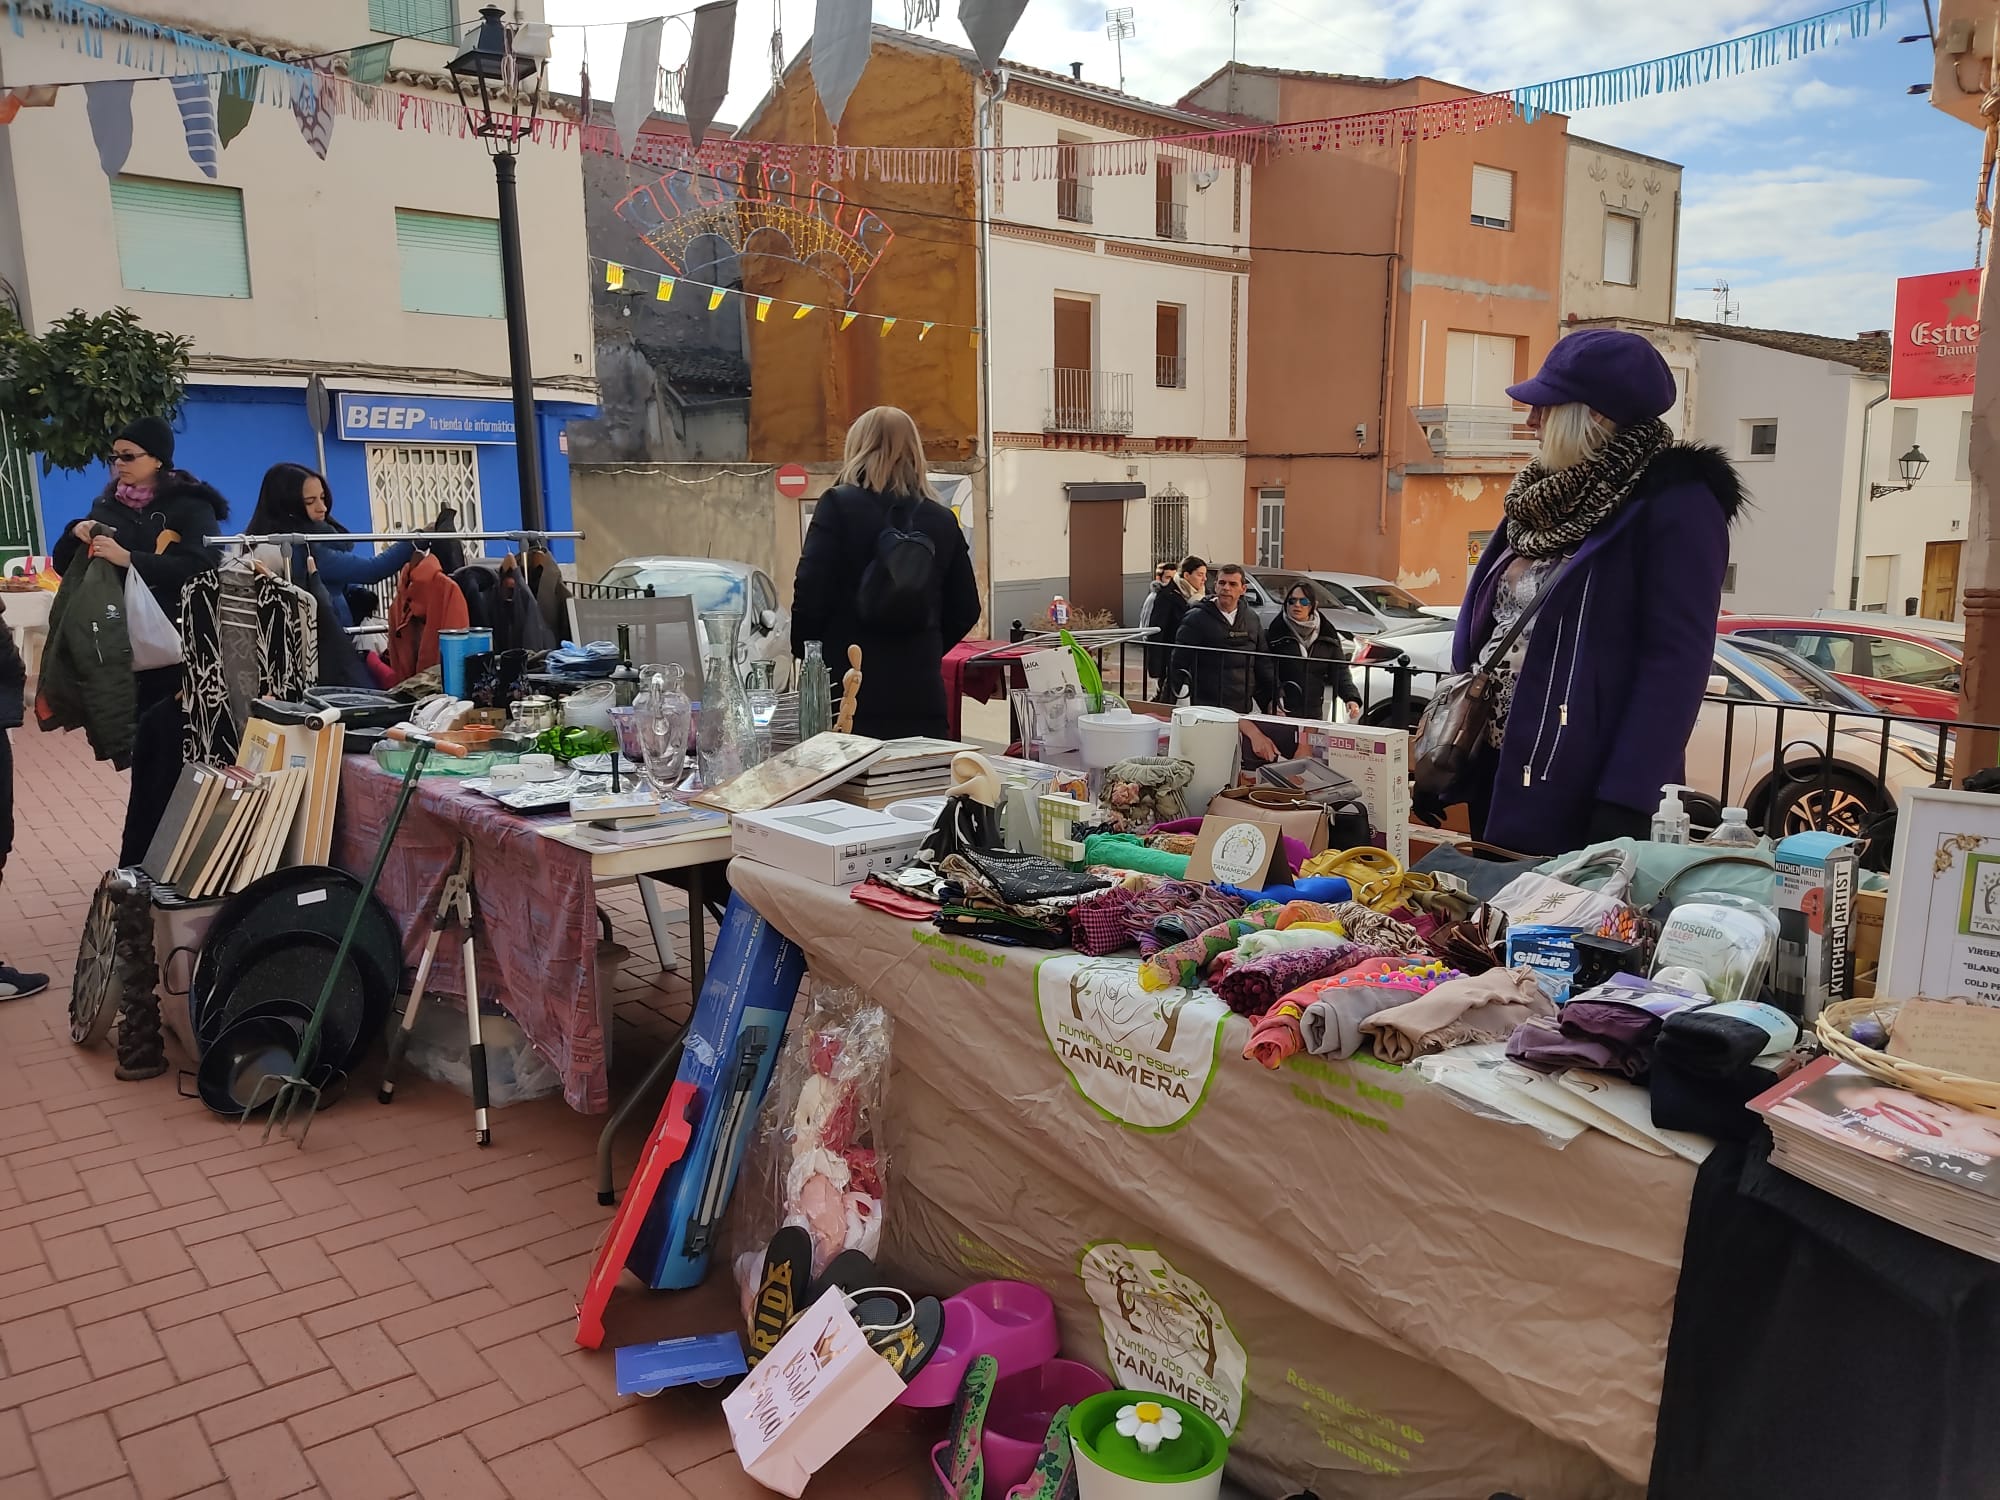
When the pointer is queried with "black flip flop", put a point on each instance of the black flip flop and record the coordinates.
(909, 1348)
(781, 1290)
(850, 1270)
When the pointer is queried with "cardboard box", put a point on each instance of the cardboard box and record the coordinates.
(732, 1047)
(834, 843)
(1376, 760)
(1235, 850)
(1871, 909)
(1817, 876)
(1307, 824)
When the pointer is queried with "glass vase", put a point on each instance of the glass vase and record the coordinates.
(815, 694)
(665, 719)
(725, 731)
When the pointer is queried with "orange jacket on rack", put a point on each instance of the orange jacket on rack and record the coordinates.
(426, 602)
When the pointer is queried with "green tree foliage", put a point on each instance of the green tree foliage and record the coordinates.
(69, 392)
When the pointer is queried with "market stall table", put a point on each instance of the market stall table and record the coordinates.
(1385, 1294)
(537, 920)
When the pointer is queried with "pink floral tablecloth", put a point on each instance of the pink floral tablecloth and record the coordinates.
(537, 911)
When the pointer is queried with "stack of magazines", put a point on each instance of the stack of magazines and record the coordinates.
(1927, 1165)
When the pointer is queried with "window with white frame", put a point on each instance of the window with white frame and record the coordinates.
(184, 237)
(1760, 439)
(1492, 198)
(1621, 249)
(450, 264)
(1902, 430)
(1270, 528)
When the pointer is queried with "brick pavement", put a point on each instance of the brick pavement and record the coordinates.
(387, 1312)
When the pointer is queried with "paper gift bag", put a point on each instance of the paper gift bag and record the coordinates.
(810, 1397)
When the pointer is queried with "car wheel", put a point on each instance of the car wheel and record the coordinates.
(1382, 715)
(1838, 802)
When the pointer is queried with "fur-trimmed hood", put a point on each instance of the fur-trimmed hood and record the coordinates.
(1701, 464)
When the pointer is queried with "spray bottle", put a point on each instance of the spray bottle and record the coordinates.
(1671, 823)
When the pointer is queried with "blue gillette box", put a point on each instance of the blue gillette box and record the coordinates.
(1549, 953)
(731, 1047)
(704, 1359)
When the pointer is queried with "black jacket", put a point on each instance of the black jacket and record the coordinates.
(1170, 607)
(1305, 674)
(181, 504)
(1228, 665)
(902, 681)
(13, 676)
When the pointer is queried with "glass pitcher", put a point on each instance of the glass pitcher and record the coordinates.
(665, 717)
(726, 732)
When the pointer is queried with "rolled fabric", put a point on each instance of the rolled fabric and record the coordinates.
(1184, 963)
(1289, 939)
(1252, 987)
(1124, 851)
(1276, 1036)
(1333, 1008)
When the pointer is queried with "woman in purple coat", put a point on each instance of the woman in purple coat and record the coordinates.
(1628, 531)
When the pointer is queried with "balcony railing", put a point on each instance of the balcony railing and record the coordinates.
(1171, 374)
(1073, 200)
(1088, 401)
(1477, 431)
(1170, 219)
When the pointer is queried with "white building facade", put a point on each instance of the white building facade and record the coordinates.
(1912, 539)
(376, 269)
(1115, 356)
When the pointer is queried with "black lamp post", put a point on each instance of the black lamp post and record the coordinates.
(492, 81)
(1911, 466)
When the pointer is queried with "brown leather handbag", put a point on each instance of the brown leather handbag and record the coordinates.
(1446, 752)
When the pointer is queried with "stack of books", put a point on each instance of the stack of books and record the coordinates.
(903, 769)
(1927, 1165)
(668, 823)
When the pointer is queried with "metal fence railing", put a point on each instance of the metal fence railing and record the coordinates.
(1794, 766)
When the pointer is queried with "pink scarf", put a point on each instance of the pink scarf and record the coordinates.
(136, 496)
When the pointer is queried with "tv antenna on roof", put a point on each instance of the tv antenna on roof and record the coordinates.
(1120, 27)
(1726, 311)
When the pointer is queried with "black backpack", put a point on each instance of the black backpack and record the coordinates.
(895, 590)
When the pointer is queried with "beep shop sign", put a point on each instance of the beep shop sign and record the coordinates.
(400, 418)
(1937, 335)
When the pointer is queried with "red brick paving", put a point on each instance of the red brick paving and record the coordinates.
(387, 1312)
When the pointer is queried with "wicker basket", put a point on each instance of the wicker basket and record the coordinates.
(1933, 1083)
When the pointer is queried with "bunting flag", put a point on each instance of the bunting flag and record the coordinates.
(617, 275)
(312, 107)
(887, 324)
(847, 318)
(715, 296)
(15, 100)
(369, 64)
(109, 105)
(706, 79)
(842, 35)
(198, 120)
(232, 108)
(988, 24)
(614, 276)
(802, 310)
(666, 291)
(763, 308)
(925, 332)
(638, 83)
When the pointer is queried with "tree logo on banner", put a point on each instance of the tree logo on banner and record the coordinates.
(748, 211)
(1163, 1332)
(1143, 1058)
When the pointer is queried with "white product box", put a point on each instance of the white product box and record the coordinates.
(834, 843)
(1375, 760)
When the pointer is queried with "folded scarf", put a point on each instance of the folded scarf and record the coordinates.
(1470, 1008)
(1176, 910)
(1184, 963)
(1374, 928)
(1275, 1037)
(1254, 987)
(1335, 1007)
(1097, 926)
(1273, 940)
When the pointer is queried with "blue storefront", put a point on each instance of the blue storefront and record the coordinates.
(391, 456)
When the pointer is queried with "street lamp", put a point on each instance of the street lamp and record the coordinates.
(1911, 465)
(498, 78)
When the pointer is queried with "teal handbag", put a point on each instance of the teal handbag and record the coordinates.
(1678, 871)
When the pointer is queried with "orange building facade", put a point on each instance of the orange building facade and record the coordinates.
(1396, 291)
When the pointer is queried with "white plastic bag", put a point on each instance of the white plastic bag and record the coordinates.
(155, 641)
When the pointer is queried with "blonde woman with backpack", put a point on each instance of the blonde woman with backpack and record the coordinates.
(885, 567)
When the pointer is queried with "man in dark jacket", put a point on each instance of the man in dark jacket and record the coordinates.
(15, 984)
(1222, 659)
(902, 678)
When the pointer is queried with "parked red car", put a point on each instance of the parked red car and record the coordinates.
(1904, 669)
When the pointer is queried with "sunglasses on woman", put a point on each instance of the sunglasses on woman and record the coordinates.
(1299, 600)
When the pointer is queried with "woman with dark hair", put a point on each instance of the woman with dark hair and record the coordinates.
(295, 499)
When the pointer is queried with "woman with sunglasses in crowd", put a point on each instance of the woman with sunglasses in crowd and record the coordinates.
(1312, 658)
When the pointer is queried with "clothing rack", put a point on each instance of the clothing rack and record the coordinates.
(301, 539)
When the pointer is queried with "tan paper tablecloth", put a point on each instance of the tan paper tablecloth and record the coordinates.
(1383, 1294)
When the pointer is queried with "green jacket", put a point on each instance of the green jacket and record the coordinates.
(86, 678)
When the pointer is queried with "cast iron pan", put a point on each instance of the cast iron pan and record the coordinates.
(299, 898)
(293, 966)
(248, 1052)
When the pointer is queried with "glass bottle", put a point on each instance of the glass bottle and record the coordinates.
(665, 718)
(815, 694)
(725, 732)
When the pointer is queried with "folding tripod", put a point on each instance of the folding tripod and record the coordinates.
(455, 905)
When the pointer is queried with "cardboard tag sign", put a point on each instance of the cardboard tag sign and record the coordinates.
(1945, 1034)
(1236, 851)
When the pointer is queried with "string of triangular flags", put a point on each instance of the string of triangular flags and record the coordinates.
(842, 37)
(619, 277)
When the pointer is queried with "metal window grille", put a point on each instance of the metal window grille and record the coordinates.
(1170, 526)
(409, 483)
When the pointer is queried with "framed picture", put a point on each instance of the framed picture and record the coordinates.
(1941, 940)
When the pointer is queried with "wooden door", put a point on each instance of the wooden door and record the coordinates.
(1096, 556)
(1941, 580)
(1071, 392)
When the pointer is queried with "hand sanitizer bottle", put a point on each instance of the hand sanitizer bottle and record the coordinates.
(1671, 822)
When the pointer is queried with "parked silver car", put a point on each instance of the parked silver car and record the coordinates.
(1354, 603)
(739, 590)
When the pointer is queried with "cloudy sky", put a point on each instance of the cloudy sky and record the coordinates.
(1809, 187)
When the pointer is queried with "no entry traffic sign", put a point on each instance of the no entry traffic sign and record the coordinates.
(792, 481)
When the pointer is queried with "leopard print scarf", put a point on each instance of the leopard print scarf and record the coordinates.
(1549, 513)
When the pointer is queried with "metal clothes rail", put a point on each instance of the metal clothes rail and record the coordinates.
(301, 539)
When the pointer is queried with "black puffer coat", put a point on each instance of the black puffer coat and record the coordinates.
(166, 536)
(1306, 672)
(1223, 665)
